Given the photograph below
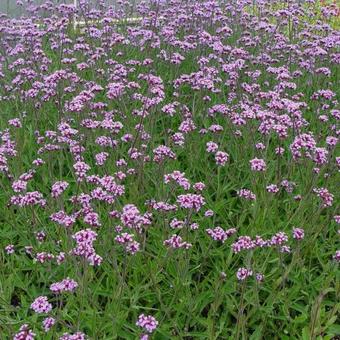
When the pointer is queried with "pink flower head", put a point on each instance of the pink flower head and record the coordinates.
(247, 194)
(126, 240)
(209, 213)
(258, 164)
(191, 201)
(259, 277)
(15, 122)
(285, 249)
(298, 233)
(336, 256)
(179, 178)
(101, 158)
(144, 337)
(24, 333)
(41, 305)
(199, 186)
(243, 273)
(163, 152)
(75, 336)
(81, 169)
(212, 147)
(176, 242)
(147, 322)
(9, 249)
(273, 188)
(279, 238)
(92, 219)
(58, 188)
(221, 158)
(219, 234)
(325, 195)
(243, 243)
(48, 323)
(19, 185)
(66, 285)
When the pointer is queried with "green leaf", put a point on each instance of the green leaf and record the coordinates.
(306, 334)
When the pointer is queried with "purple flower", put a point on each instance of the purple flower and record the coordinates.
(279, 239)
(75, 336)
(212, 147)
(58, 188)
(176, 242)
(81, 169)
(247, 194)
(243, 243)
(48, 323)
(221, 158)
(243, 273)
(41, 305)
(9, 249)
(259, 277)
(258, 164)
(298, 233)
(191, 201)
(336, 256)
(66, 285)
(273, 188)
(147, 322)
(24, 333)
(325, 195)
(163, 152)
(219, 234)
(179, 178)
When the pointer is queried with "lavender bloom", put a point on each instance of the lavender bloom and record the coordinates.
(41, 305)
(147, 322)
(243, 273)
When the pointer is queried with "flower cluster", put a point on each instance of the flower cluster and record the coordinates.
(126, 240)
(66, 285)
(41, 305)
(24, 333)
(219, 234)
(257, 164)
(84, 247)
(179, 178)
(191, 201)
(243, 273)
(58, 188)
(176, 241)
(147, 322)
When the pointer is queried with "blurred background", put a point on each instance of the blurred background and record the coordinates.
(16, 8)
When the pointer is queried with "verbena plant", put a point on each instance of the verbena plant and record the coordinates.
(175, 177)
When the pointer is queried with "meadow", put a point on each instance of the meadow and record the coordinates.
(170, 177)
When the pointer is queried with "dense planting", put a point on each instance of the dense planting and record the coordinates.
(175, 176)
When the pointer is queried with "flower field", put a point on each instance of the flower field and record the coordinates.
(170, 169)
